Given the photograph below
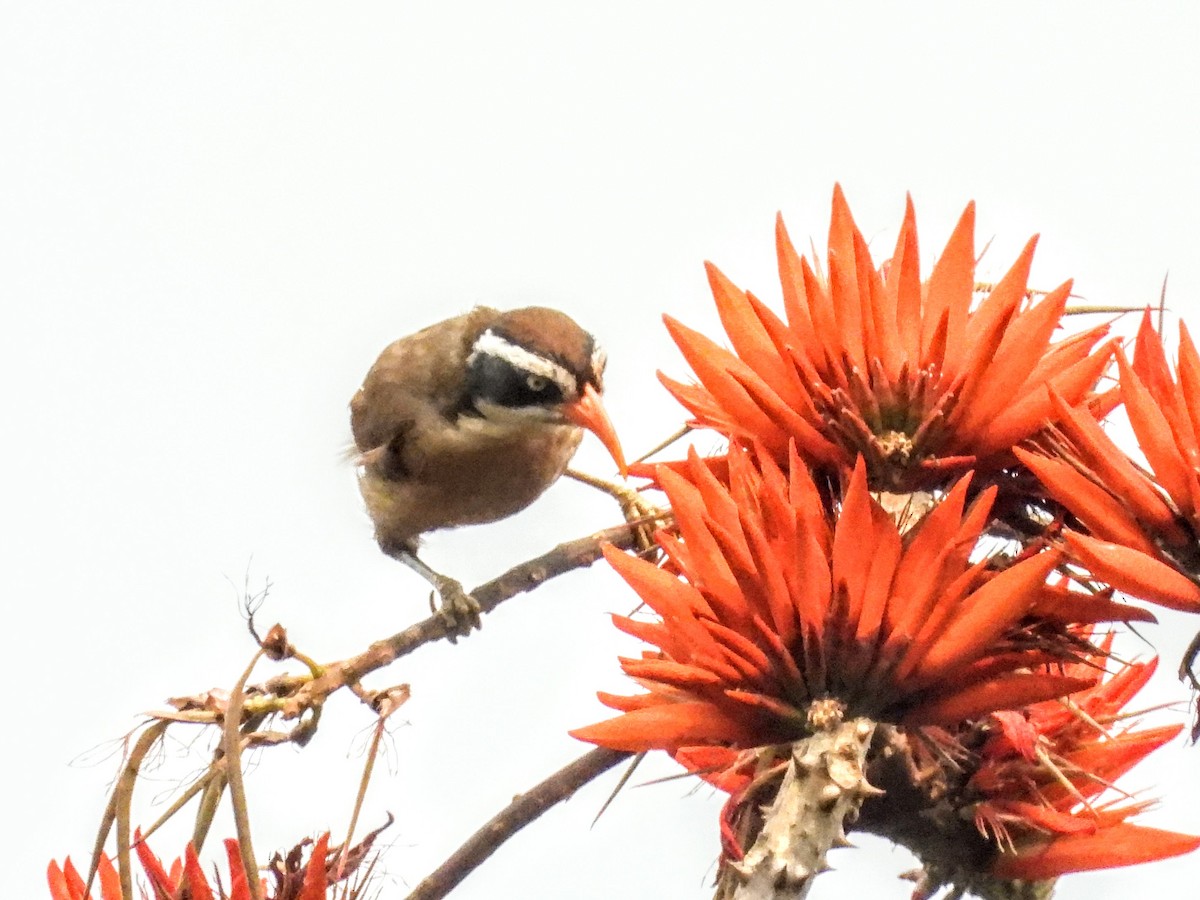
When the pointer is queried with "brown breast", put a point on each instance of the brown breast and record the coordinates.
(465, 475)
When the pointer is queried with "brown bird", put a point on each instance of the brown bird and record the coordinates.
(469, 421)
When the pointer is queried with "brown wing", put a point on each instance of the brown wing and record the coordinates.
(414, 379)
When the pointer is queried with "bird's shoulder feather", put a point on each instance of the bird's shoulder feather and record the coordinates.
(409, 382)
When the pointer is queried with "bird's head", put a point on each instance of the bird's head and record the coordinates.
(537, 365)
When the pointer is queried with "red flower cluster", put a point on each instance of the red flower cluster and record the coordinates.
(795, 575)
(874, 362)
(783, 605)
(1044, 767)
(186, 879)
(1141, 533)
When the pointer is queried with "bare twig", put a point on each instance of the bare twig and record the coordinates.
(302, 696)
(118, 810)
(666, 442)
(210, 800)
(523, 810)
(385, 702)
(215, 770)
(232, 745)
(576, 554)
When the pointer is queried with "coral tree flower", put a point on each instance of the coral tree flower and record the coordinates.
(1165, 415)
(186, 878)
(67, 884)
(780, 605)
(1138, 534)
(876, 363)
(1043, 770)
(787, 586)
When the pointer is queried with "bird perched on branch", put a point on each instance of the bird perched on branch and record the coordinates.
(469, 421)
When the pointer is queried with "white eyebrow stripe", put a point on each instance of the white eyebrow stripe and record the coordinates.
(599, 360)
(491, 344)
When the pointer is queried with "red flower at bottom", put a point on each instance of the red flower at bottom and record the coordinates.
(1042, 770)
(186, 878)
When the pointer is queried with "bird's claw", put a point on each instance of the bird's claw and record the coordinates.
(634, 506)
(458, 609)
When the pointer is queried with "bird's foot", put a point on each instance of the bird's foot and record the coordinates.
(458, 609)
(634, 506)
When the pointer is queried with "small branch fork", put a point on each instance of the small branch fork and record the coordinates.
(301, 697)
(297, 697)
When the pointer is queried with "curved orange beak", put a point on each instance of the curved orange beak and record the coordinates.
(588, 412)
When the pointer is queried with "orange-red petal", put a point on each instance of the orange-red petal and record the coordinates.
(1122, 844)
(1135, 573)
(1011, 691)
(668, 726)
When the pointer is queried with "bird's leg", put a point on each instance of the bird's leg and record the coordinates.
(459, 610)
(634, 505)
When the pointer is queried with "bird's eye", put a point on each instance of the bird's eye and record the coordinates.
(536, 383)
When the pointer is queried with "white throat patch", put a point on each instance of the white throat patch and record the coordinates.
(491, 344)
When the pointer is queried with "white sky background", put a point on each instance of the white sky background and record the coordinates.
(212, 218)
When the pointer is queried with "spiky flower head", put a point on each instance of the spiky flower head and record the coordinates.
(873, 362)
(304, 873)
(781, 604)
(910, 540)
(1044, 773)
(1131, 529)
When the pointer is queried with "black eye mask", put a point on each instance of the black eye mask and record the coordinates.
(497, 381)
